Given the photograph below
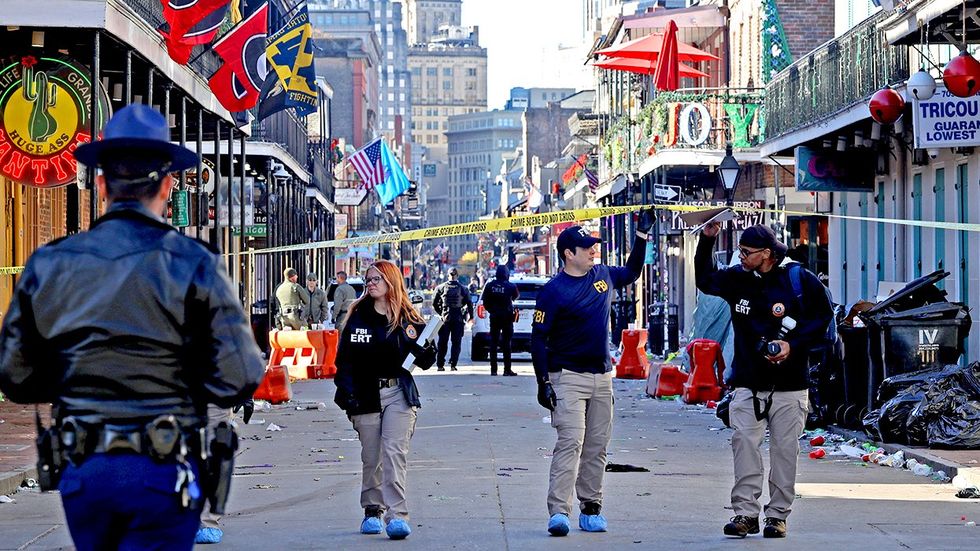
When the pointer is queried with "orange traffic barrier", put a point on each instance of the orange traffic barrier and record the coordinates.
(666, 380)
(306, 354)
(707, 371)
(275, 387)
(633, 364)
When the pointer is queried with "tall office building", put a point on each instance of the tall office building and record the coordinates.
(449, 77)
(478, 143)
(425, 17)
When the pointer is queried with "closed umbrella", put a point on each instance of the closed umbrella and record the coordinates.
(667, 64)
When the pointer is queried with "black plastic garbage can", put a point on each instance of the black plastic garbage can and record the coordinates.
(663, 328)
(856, 371)
(918, 293)
(929, 337)
(657, 318)
(260, 324)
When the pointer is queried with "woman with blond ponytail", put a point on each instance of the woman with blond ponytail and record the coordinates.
(379, 395)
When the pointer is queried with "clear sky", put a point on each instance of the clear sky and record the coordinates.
(523, 37)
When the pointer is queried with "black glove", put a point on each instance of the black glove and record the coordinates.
(425, 356)
(546, 396)
(248, 407)
(346, 401)
(645, 220)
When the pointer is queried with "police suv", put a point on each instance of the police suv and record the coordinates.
(529, 286)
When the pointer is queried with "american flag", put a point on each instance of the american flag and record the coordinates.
(593, 180)
(367, 163)
(589, 175)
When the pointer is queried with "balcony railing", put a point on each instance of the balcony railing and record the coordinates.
(286, 129)
(204, 64)
(694, 118)
(835, 76)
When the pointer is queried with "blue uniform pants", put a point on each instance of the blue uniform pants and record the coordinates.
(126, 501)
(451, 330)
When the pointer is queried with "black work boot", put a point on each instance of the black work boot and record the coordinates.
(741, 526)
(775, 528)
(440, 368)
(509, 373)
(453, 368)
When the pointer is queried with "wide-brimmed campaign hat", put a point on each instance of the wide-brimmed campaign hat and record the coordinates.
(140, 127)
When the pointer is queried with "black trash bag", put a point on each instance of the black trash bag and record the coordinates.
(870, 425)
(958, 426)
(894, 414)
(896, 384)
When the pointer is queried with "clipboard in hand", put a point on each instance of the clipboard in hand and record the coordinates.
(428, 334)
(704, 217)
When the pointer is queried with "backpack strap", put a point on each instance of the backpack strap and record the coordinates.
(795, 279)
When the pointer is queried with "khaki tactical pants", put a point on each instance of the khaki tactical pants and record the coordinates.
(787, 417)
(384, 453)
(583, 419)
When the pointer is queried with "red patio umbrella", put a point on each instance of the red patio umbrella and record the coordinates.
(648, 47)
(667, 63)
(645, 67)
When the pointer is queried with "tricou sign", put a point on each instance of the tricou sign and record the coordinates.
(946, 121)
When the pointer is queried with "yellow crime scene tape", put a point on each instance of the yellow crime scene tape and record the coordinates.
(559, 217)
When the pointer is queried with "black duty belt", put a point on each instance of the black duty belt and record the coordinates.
(388, 383)
(163, 438)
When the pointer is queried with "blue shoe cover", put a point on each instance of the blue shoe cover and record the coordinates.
(208, 535)
(371, 525)
(592, 523)
(558, 525)
(398, 529)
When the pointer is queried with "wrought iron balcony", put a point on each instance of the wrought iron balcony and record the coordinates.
(204, 63)
(840, 73)
(286, 129)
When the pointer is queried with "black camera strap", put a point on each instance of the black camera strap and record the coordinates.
(760, 411)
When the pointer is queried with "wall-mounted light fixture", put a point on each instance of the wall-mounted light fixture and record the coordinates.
(37, 39)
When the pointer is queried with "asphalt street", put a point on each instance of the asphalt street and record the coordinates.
(478, 480)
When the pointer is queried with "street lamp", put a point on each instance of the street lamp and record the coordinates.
(728, 172)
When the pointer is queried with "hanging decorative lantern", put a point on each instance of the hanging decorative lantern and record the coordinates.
(962, 75)
(886, 106)
(921, 85)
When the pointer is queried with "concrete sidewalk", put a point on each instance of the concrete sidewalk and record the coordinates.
(479, 471)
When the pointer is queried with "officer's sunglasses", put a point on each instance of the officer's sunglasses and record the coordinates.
(745, 253)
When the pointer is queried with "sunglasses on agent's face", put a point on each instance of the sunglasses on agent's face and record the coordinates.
(745, 252)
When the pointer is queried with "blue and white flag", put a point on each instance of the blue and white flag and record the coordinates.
(395, 182)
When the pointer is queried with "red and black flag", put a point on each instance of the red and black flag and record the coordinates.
(237, 82)
(189, 23)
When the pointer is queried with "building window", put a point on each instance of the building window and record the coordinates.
(471, 71)
(447, 71)
(432, 71)
(447, 85)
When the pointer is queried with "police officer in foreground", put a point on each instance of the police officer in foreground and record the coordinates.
(774, 329)
(293, 301)
(452, 302)
(570, 352)
(130, 329)
(318, 311)
(498, 300)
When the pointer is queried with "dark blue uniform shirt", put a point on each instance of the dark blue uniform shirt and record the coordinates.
(571, 317)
